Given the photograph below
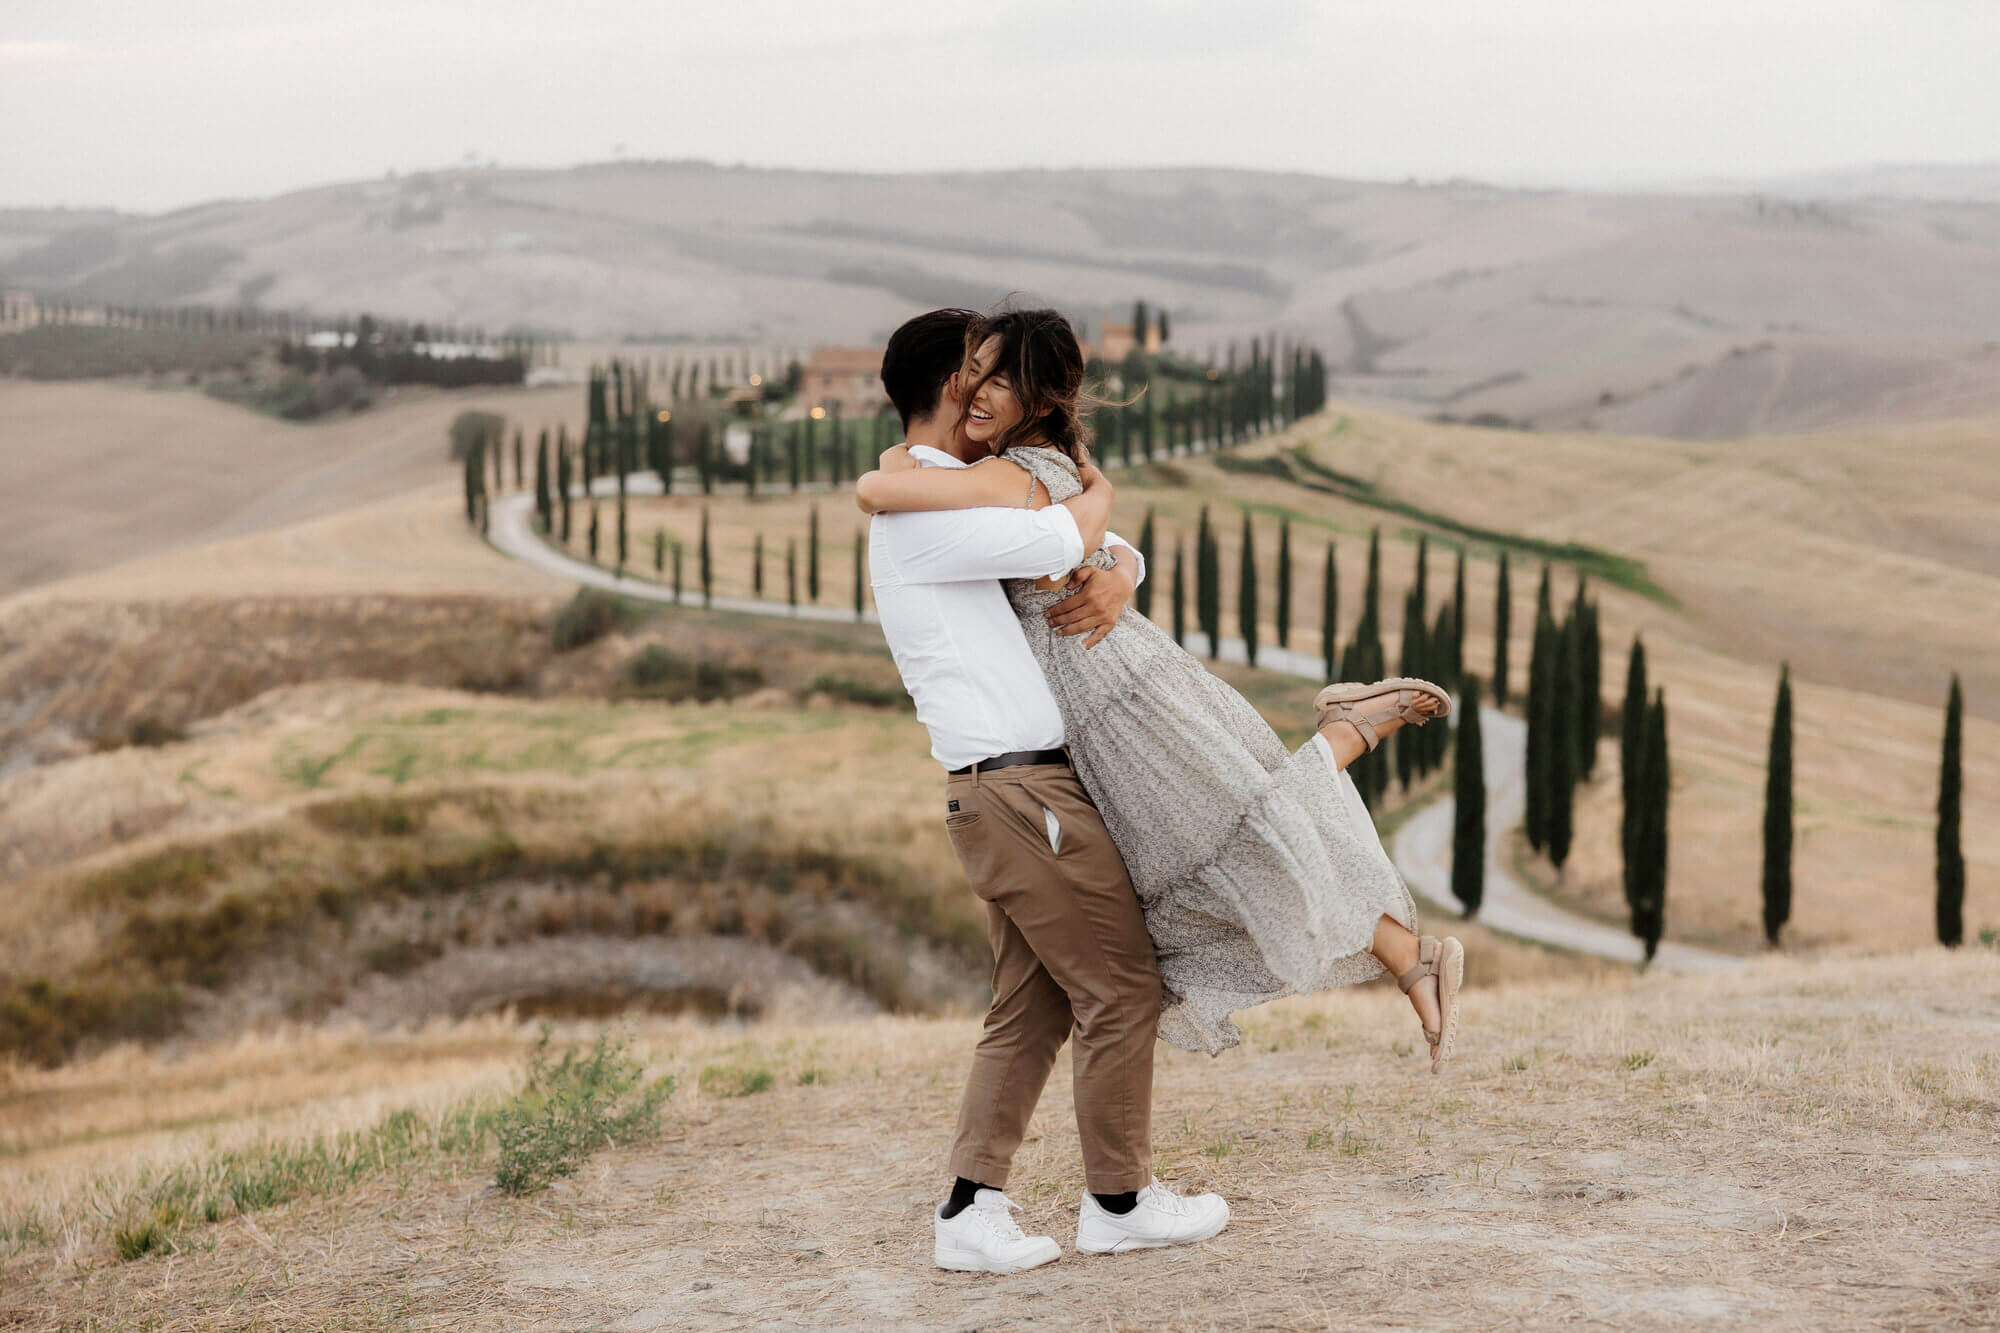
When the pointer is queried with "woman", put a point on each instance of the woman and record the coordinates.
(1259, 870)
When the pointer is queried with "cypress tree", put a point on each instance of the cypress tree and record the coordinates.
(518, 452)
(757, 565)
(659, 551)
(1950, 854)
(475, 477)
(792, 574)
(1409, 662)
(1142, 596)
(677, 573)
(860, 566)
(1283, 610)
(1457, 617)
(1246, 594)
(1208, 585)
(1437, 735)
(1560, 753)
(1544, 606)
(1631, 754)
(1540, 658)
(623, 551)
(1422, 584)
(1778, 814)
(1328, 613)
(707, 564)
(1468, 856)
(1502, 613)
(1180, 597)
(1139, 325)
(593, 531)
(544, 500)
(1589, 683)
(1648, 871)
(563, 478)
(792, 455)
(812, 554)
(1371, 591)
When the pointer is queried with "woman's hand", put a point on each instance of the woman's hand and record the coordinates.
(896, 458)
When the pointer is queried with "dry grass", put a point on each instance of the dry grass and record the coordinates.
(120, 472)
(277, 859)
(1803, 1142)
(1820, 526)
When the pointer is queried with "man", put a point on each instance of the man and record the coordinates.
(1069, 941)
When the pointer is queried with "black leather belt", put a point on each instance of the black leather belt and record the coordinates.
(1014, 759)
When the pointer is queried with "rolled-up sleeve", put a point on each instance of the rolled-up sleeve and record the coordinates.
(959, 545)
(1138, 556)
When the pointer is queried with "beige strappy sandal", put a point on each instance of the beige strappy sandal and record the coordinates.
(1445, 960)
(1338, 703)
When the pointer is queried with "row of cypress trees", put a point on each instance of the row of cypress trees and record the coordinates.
(1776, 880)
(663, 546)
(1430, 648)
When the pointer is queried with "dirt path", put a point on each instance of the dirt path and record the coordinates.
(1423, 847)
(1798, 1146)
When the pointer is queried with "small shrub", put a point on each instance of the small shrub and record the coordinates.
(570, 1107)
(589, 616)
(860, 692)
(368, 816)
(396, 957)
(1638, 1059)
(735, 1080)
(658, 673)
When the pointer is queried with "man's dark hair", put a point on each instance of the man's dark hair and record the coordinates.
(921, 356)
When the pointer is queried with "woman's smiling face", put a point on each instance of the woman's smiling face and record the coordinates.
(994, 409)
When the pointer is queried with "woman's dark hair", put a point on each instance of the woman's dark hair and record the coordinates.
(921, 357)
(1040, 357)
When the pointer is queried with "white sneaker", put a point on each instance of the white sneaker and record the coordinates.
(1162, 1217)
(984, 1239)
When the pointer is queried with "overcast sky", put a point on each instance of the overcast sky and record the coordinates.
(149, 105)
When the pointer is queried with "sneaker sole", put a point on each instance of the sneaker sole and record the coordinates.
(1126, 1244)
(965, 1261)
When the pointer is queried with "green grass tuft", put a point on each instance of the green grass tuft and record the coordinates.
(570, 1107)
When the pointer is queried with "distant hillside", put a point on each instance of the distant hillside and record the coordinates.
(1696, 315)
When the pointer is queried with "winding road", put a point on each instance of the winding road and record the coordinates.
(1421, 848)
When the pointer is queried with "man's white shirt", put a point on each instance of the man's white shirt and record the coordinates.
(957, 642)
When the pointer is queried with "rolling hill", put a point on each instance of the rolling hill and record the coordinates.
(1697, 315)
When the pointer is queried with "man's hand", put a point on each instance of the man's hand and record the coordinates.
(1099, 596)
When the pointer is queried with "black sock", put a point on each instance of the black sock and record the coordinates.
(962, 1191)
(1119, 1204)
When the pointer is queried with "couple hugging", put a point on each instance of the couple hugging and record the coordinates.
(1151, 856)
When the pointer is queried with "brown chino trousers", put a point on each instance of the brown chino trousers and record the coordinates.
(1070, 950)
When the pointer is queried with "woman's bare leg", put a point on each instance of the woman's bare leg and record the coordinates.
(1396, 949)
(1345, 738)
